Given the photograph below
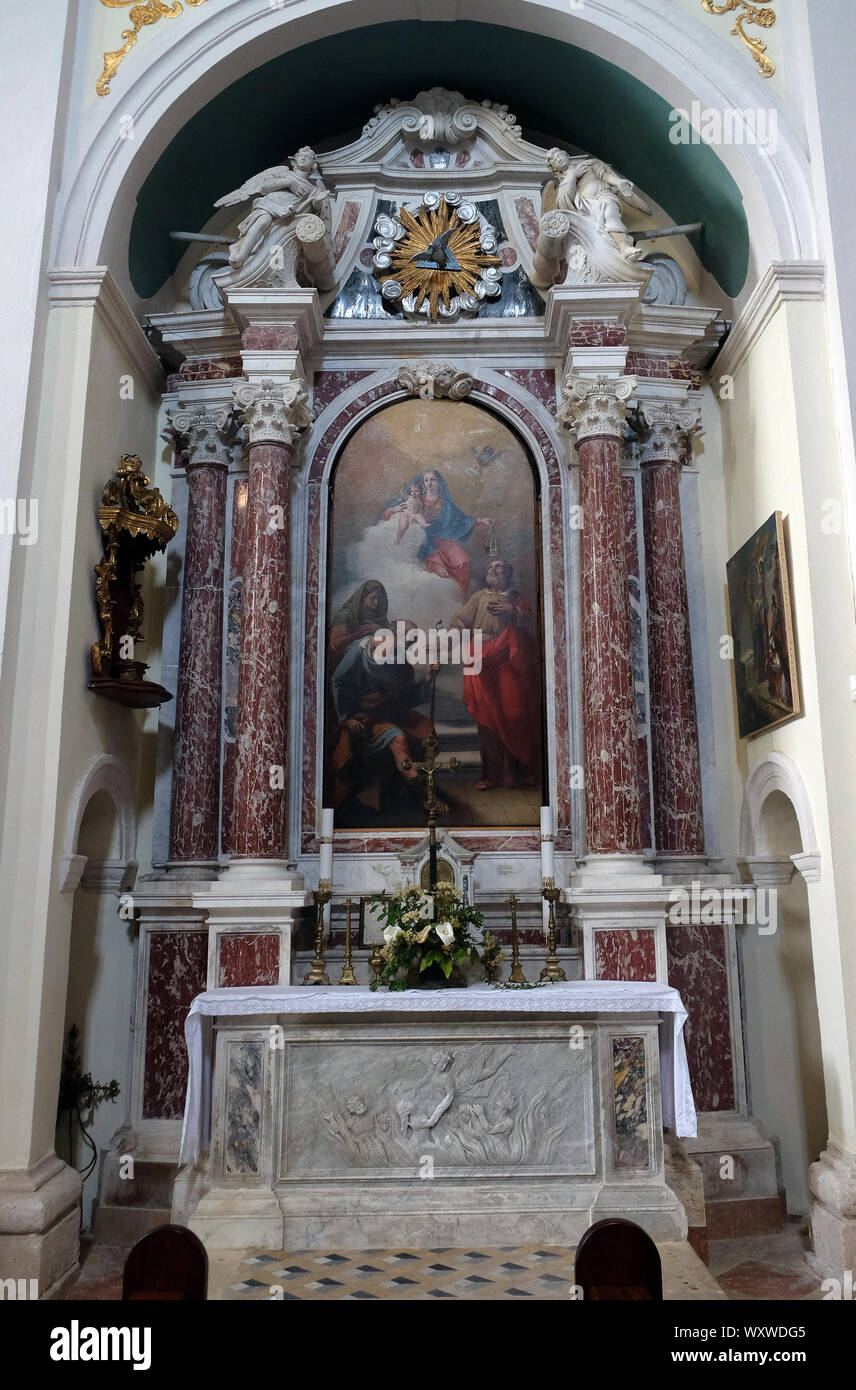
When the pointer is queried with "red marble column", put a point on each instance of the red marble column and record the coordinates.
(273, 417)
(195, 816)
(595, 411)
(676, 768)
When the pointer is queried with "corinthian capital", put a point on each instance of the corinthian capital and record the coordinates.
(593, 406)
(272, 414)
(667, 432)
(206, 434)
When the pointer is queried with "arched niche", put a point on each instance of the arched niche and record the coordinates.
(101, 828)
(767, 824)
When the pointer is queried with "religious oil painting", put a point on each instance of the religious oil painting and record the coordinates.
(433, 622)
(765, 668)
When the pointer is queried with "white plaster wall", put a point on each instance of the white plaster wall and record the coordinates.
(781, 452)
(33, 110)
(58, 727)
(100, 1002)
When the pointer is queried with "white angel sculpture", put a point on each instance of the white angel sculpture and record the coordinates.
(281, 194)
(588, 186)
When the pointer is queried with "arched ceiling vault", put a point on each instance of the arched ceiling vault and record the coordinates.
(327, 88)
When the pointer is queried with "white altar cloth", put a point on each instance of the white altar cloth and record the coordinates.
(573, 996)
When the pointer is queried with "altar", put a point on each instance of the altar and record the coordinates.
(338, 1117)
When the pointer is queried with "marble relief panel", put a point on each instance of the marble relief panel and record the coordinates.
(244, 1107)
(631, 1103)
(465, 1105)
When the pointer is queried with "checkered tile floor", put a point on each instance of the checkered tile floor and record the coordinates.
(513, 1272)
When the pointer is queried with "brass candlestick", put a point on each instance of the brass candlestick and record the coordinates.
(516, 977)
(347, 977)
(376, 961)
(317, 975)
(552, 969)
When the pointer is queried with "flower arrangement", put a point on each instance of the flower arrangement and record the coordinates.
(430, 932)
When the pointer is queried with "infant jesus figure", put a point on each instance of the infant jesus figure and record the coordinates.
(410, 510)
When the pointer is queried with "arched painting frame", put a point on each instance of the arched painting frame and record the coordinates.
(434, 559)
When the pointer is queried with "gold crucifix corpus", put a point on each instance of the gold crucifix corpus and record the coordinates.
(429, 768)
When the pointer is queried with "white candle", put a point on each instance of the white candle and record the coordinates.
(325, 864)
(547, 863)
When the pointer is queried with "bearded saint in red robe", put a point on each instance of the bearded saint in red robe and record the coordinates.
(504, 697)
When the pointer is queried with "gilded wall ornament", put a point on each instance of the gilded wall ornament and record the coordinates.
(135, 522)
(440, 262)
(761, 15)
(149, 12)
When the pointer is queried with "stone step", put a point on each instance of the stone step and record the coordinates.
(126, 1225)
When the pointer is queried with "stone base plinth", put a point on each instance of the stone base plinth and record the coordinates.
(39, 1226)
(833, 1213)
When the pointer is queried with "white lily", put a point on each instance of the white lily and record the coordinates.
(391, 932)
(446, 932)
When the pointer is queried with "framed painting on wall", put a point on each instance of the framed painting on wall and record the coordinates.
(434, 621)
(765, 668)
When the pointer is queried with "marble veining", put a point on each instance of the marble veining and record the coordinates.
(632, 1148)
(178, 965)
(244, 1107)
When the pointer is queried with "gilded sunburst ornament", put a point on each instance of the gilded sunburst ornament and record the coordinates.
(440, 261)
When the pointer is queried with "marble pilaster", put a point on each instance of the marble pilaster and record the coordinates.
(273, 415)
(676, 769)
(195, 814)
(594, 409)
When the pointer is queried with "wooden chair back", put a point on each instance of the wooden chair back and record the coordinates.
(168, 1264)
(616, 1259)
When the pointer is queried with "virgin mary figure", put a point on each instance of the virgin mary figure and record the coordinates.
(446, 526)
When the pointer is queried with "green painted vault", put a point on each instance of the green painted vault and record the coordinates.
(323, 93)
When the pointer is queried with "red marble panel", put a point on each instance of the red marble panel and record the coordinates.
(609, 698)
(625, 955)
(675, 761)
(269, 337)
(347, 223)
(248, 958)
(697, 970)
(597, 333)
(327, 385)
(205, 369)
(540, 382)
(178, 968)
(665, 368)
(528, 219)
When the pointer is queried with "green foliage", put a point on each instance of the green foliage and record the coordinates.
(416, 923)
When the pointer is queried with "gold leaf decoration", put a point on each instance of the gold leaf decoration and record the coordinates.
(462, 258)
(149, 12)
(761, 15)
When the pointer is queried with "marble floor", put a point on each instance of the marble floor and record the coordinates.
(756, 1268)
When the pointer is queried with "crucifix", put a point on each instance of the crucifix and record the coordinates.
(429, 768)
